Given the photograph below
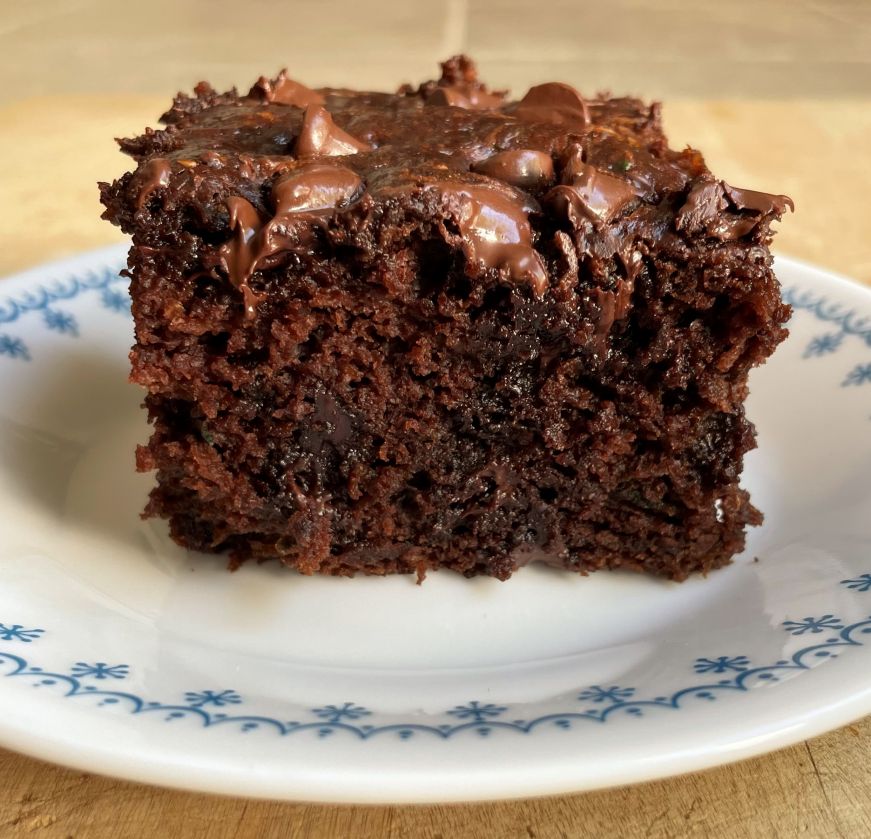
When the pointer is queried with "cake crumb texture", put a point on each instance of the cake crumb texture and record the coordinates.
(386, 333)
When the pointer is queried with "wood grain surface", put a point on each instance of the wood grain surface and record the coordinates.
(804, 129)
(817, 789)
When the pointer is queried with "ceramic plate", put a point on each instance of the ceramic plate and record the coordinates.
(123, 654)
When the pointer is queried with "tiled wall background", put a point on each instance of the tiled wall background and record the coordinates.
(659, 48)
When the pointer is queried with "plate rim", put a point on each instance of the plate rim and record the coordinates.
(145, 770)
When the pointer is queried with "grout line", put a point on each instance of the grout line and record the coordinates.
(456, 27)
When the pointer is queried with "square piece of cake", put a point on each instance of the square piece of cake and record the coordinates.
(440, 328)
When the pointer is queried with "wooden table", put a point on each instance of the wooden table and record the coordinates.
(805, 132)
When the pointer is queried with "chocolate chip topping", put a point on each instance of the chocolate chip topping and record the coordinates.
(240, 254)
(321, 137)
(496, 232)
(761, 202)
(316, 186)
(525, 168)
(454, 136)
(153, 175)
(703, 209)
(285, 91)
(464, 96)
(704, 203)
(555, 103)
(459, 88)
(587, 191)
(728, 229)
(300, 197)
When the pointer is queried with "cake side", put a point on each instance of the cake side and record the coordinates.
(398, 332)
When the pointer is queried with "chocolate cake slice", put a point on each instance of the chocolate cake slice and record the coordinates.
(441, 328)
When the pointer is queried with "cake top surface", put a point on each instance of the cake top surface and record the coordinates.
(442, 130)
(283, 157)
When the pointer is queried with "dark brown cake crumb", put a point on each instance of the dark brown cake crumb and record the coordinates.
(396, 332)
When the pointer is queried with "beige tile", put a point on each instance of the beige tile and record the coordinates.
(738, 30)
(677, 79)
(740, 47)
(166, 45)
(59, 148)
(21, 17)
(752, 48)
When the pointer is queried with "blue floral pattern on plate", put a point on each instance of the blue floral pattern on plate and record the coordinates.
(475, 716)
(847, 323)
(44, 299)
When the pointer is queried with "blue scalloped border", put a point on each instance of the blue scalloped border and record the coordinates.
(846, 323)
(474, 716)
(43, 299)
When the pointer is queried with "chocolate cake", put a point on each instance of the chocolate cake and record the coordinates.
(444, 329)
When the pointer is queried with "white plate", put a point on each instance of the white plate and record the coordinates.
(123, 654)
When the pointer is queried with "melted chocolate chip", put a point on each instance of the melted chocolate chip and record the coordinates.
(321, 137)
(542, 545)
(607, 153)
(612, 305)
(631, 260)
(496, 232)
(728, 229)
(308, 191)
(245, 222)
(239, 256)
(154, 175)
(706, 201)
(591, 193)
(760, 202)
(285, 91)
(524, 168)
(527, 553)
(555, 103)
(703, 204)
(573, 163)
(316, 186)
(623, 300)
(463, 95)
